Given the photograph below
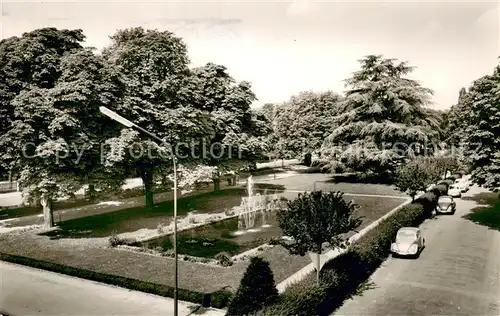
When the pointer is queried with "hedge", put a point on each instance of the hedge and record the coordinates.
(218, 299)
(341, 276)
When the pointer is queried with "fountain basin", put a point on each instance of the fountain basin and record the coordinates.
(222, 236)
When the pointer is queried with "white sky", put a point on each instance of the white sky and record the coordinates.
(287, 47)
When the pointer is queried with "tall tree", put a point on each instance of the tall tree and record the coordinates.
(54, 137)
(239, 132)
(303, 122)
(382, 115)
(30, 61)
(158, 97)
(457, 120)
(483, 130)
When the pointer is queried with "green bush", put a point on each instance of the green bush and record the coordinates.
(224, 259)
(132, 284)
(220, 299)
(429, 200)
(442, 189)
(341, 276)
(257, 289)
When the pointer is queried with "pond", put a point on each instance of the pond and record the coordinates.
(223, 236)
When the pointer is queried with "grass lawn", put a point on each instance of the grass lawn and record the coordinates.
(209, 240)
(307, 181)
(93, 254)
(133, 219)
(488, 215)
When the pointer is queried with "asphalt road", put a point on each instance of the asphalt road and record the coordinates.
(458, 273)
(25, 291)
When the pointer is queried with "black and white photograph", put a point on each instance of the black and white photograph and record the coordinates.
(249, 158)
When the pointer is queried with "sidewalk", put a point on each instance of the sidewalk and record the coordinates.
(24, 292)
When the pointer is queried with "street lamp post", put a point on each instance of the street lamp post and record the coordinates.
(120, 119)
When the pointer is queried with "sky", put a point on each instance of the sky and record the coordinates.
(285, 47)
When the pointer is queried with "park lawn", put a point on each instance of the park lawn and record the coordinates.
(325, 182)
(94, 254)
(488, 213)
(136, 218)
(209, 240)
(134, 196)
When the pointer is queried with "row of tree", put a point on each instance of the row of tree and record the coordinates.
(383, 119)
(53, 138)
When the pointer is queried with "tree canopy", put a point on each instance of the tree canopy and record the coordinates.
(301, 124)
(383, 113)
(49, 142)
(482, 129)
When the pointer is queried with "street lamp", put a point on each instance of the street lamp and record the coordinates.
(120, 119)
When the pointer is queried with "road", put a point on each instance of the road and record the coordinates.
(458, 273)
(26, 291)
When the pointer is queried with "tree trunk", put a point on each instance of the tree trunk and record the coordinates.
(216, 184)
(91, 192)
(282, 162)
(147, 180)
(48, 215)
(36, 201)
(318, 266)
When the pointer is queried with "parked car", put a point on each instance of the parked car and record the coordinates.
(454, 191)
(446, 205)
(409, 242)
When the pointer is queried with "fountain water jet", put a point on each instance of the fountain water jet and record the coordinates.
(250, 207)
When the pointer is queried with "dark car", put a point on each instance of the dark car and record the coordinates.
(446, 205)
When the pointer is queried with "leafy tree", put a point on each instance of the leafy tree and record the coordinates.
(314, 218)
(158, 97)
(416, 175)
(303, 122)
(26, 62)
(54, 136)
(483, 129)
(257, 289)
(239, 132)
(269, 111)
(457, 120)
(447, 162)
(383, 113)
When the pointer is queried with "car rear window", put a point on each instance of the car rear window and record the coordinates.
(405, 234)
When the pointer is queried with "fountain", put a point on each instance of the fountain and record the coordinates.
(255, 205)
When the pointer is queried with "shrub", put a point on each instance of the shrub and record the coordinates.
(220, 299)
(442, 189)
(341, 276)
(257, 289)
(114, 240)
(224, 259)
(429, 200)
